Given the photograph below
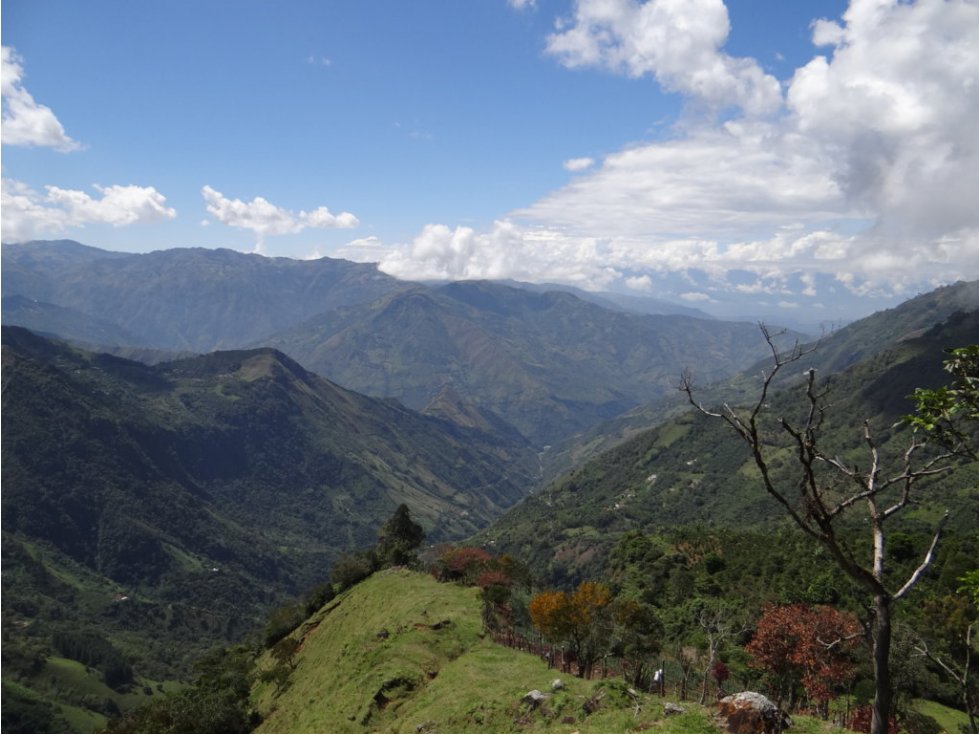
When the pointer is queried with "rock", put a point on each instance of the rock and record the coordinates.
(751, 713)
(672, 709)
(557, 684)
(534, 698)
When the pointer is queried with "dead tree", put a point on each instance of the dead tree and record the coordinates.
(960, 672)
(824, 489)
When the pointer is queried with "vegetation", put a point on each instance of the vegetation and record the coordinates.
(951, 412)
(151, 512)
(823, 491)
(809, 646)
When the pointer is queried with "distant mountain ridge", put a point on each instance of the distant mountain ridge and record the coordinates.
(544, 361)
(548, 363)
(186, 299)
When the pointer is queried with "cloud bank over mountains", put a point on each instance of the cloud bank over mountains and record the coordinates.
(864, 165)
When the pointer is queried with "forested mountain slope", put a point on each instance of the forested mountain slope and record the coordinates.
(695, 470)
(203, 490)
(548, 363)
(182, 299)
(837, 349)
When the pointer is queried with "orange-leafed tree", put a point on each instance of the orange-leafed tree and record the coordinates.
(814, 646)
(579, 621)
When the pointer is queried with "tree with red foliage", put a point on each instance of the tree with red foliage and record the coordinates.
(808, 645)
(461, 564)
(720, 673)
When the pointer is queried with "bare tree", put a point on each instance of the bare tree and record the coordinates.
(718, 625)
(960, 672)
(824, 489)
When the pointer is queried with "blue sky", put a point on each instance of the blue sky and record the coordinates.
(820, 157)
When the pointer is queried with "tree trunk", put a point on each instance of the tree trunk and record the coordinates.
(882, 670)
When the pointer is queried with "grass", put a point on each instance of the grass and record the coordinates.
(401, 653)
(949, 719)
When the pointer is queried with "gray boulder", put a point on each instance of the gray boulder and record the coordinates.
(752, 713)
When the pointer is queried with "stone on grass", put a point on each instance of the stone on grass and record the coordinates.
(751, 713)
(534, 698)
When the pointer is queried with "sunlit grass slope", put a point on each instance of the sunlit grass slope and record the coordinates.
(403, 653)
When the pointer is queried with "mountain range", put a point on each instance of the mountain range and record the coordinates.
(546, 362)
(207, 488)
(157, 501)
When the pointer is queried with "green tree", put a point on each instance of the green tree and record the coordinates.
(399, 538)
(949, 643)
(951, 413)
(637, 633)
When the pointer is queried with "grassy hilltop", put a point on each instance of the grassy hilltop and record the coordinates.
(401, 652)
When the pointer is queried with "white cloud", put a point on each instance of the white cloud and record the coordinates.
(723, 181)
(578, 164)
(522, 4)
(867, 169)
(440, 252)
(266, 219)
(678, 43)
(118, 206)
(28, 214)
(695, 297)
(896, 108)
(639, 283)
(24, 121)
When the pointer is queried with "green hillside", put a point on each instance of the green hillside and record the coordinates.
(693, 470)
(403, 653)
(547, 363)
(838, 349)
(152, 512)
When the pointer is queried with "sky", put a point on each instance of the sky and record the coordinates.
(817, 158)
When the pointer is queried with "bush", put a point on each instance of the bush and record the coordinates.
(317, 597)
(283, 621)
(351, 569)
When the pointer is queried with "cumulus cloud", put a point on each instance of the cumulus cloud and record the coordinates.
(639, 283)
(29, 214)
(896, 106)
(440, 252)
(522, 4)
(867, 169)
(678, 43)
(695, 297)
(266, 219)
(24, 121)
(578, 164)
